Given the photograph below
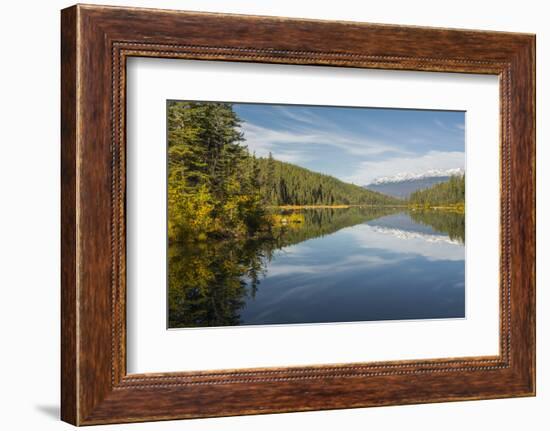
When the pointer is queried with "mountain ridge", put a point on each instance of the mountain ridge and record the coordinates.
(407, 176)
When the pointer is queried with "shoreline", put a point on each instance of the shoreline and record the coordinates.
(460, 208)
(454, 208)
(299, 207)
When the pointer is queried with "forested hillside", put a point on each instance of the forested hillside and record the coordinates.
(216, 188)
(451, 192)
(450, 222)
(229, 212)
(287, 184)
(213, 187)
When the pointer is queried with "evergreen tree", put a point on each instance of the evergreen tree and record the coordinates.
(287, 184)
(213, 182)
(451, 192)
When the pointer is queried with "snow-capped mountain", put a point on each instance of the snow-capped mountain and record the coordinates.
(404, 234)
(405, 176)
(403, 184)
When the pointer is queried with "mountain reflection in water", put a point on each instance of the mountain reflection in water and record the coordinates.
(335, 265)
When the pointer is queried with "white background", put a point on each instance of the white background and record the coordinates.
(151, 348)
(29, 217)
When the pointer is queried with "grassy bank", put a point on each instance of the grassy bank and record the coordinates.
(302, 207)
(456, 208)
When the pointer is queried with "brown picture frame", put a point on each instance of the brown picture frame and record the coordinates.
(95, 43)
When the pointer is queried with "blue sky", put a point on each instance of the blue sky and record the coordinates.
(355, 144)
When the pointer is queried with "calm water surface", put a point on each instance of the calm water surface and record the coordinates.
(336, 265)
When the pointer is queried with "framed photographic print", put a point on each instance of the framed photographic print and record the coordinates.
(266, 215)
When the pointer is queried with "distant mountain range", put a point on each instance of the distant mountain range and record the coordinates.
(403, 184)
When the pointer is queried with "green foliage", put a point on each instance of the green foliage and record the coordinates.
(217, 189)
(210, 281)
(319, 222)
(222, 227)
(449, 222)
(451, 192)
(287, 184)
(213, 184)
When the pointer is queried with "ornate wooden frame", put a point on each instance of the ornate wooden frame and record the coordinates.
(96, 41)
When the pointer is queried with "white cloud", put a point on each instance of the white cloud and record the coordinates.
(440, 124)
(370, 170)
(342, 265)
(303, 116)
(262, 140)
(450, 128)
(292, 156)
(426, 245)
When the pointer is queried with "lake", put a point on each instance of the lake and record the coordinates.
(325, 265)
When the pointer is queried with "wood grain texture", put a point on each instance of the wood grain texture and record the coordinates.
(96, 41)
(69, 366)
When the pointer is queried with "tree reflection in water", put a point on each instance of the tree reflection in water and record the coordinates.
(211, 281)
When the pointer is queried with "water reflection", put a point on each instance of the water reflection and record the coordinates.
(334, 265)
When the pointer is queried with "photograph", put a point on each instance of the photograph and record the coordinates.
(281, 211)
(283, 214)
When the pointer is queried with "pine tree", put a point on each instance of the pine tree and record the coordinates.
(213, 182)
(451, 192)
(287, 184)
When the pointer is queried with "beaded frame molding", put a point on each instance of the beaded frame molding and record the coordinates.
(95, 43)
